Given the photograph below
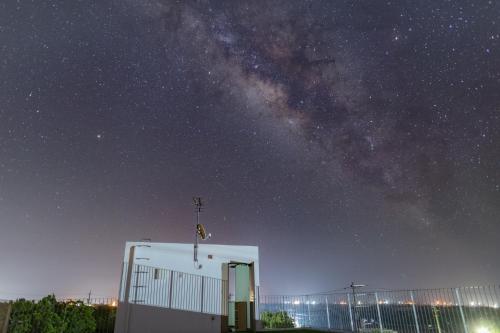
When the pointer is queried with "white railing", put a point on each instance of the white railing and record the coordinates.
(175, 290)
(450, 310)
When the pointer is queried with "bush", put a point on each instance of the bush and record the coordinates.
(21, 317)
(46, 318)
(276, 320)
(79, 318)
(105, 317)
(50, 316)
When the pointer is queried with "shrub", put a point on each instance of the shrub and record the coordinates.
(21, 317)
(105, 317)
(276, 320)
(50, 316)
(78, 318)
(46, 318)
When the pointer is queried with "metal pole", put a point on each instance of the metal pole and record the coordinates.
(350, 311)
(309, 311)
(170, 289)
(327, 312)
(417, 326)
(378, 313)
(257, 303)
(355, 304)
(459, 300)
(202, 285)
(136, 287)
(435, 311)
(195, 252)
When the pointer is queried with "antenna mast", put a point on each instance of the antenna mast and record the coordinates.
(198, 204)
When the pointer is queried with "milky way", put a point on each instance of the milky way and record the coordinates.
(300, 69)
(353, 140)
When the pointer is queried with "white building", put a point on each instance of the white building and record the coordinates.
(163, 290)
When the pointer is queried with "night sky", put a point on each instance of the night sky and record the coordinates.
(350, 140)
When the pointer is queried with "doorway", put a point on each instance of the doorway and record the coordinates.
(241, 306)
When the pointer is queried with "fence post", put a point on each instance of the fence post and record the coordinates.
(257, 303)
(417, 326)
(136, 286)
(170, 289)
(459, 300)
(202, 286)
(309, 311)
(350, 311)
(327, 312)
(378, 313)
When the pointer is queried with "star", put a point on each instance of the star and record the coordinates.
(320, 124)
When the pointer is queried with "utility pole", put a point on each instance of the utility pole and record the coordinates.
(354, 287)
(435, 312)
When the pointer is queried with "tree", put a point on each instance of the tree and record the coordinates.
(279, 319)
(21, 316)
(105, 317)
(50, 316)
(46, 318)
(78, 318)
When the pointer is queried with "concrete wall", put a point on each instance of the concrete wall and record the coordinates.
(150, 319)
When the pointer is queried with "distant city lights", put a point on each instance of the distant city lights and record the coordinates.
(483, 329)
(437, 302)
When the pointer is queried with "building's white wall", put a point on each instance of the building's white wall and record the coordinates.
(179, 258)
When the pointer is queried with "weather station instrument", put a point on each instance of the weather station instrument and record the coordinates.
(200, 232)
